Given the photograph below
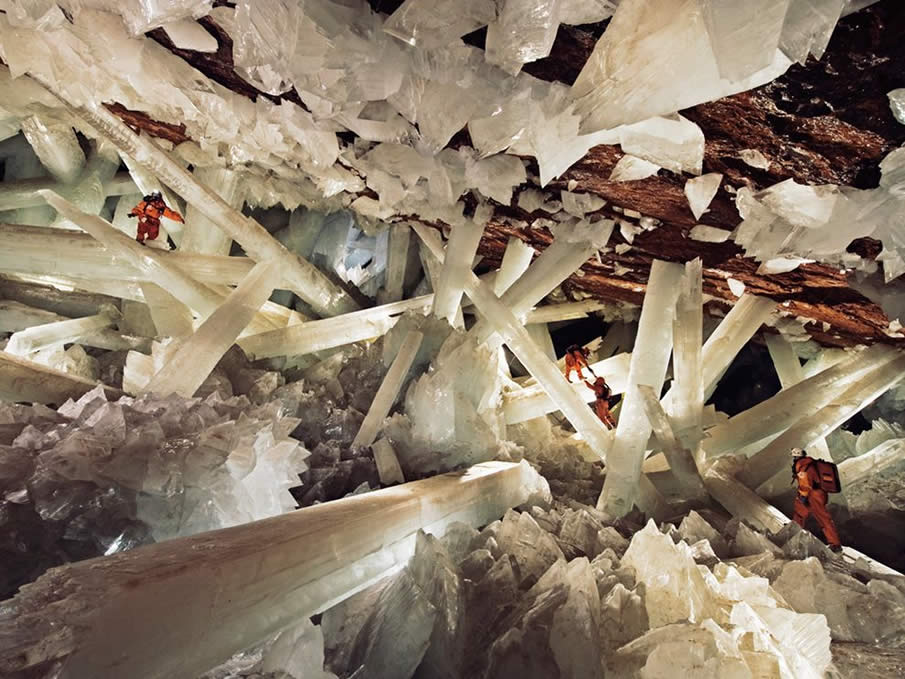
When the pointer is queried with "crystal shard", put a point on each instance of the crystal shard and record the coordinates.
(674, 143)
(523, 31)
(744, 36)
(897, 104)
(56, 146)
(701, 190)
(428, 25)
(630, 168)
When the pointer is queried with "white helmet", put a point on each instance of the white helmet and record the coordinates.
(798, 452)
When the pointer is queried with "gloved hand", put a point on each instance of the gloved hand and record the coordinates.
(804, 500)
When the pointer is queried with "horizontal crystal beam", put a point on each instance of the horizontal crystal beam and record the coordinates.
(530, 402)
(650, 358)
(70, 330)
(872, 462)
(205, 597)
(303, 278)
(171, 278)
(858, 395)
(29, 382)
(545, 371)
(24, 192)
(567, 311)
(329, 333)
(45, 250)
(781, 411)
(389, 389)
(197, 355)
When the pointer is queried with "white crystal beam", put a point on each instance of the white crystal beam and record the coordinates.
(24, 193)
(56, 146)
(872, 462)
(397, 257)
(235, 587)
(650, 358)
(681, 462)
(200, 234)
(460, 251)
(530, 402)
(570, 249)
(763, 465)
(171, 317)
(26, 381)
(545, 371)
(328, 333)
(790, 372)
(516, 259)
(688, 383)
(88, 194)
(389, 389)
(197, 355)
(305, 280)
(60, 332)
(733, 332)
(567, 311)
(781, 411)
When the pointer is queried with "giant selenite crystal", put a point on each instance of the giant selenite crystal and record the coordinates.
(648, 366)
(655, 60)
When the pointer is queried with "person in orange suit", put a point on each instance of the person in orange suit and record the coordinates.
(603, 401)
(812, 498)
(149, 211)
(576, 361)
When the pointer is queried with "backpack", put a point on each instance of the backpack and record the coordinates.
(829, 476)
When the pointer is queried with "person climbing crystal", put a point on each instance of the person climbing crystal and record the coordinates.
(812, 498)
(603, 401)
(576, 361)
(149, 211)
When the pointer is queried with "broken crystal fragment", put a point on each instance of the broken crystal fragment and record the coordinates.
(674, 143)
(427, 24)
(700, 191)
(630, 168)
(755, 158)
(60, 332)
(807, 28)
(387, 463)
(709, 234)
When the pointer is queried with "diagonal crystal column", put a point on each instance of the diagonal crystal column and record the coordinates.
(688, 381)
(781, 411)
(460, 251)
(236, 587)
(303, 278)
(29, 382)
(650, 358)
(769, 461)
(56, 146)
(545, 371)
(389, 389)
(570, 249)
(197, 355)
(185, 288)
(790, 373)
(516, 259)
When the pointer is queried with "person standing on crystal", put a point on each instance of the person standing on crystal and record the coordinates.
(812, 498)
(603, 401)
(149, 211)
(576, 361)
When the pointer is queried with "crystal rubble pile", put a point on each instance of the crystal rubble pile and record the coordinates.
(392, 97)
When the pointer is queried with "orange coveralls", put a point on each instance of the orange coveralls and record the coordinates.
(809, 487)
(576, 360)
(602, 394)
(149, 211)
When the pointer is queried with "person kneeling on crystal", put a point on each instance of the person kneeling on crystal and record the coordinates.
(576, 361)
(812, 498)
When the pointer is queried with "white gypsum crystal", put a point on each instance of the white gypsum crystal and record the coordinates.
(24, 193)
(516, 259)
(201, 234)
(744, 36)
(279, 570)
(530, 402)
(195, 357)
(545, 371)
(654, 60)
(709, 234)
(460, 251)
(567, 311)
(687, 402)
(24, 380)
(196, 295)
(700, 191)
(87, 193)
(579, 204)
(897, 103)
(736, 287)
(782, 410)
(60, 332)
(577, 12)
(860, 467)
(540, 333)
(302, 278)
(859, 394)
(190, 35)
(388, 468)
(389, 389)
(397, 257)
(56, 146)
(673, 143)
(808, 26)
(333, 332)
(429, 24)
(523, 31)
(630, 168)
(754, 158)
(650, 357)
